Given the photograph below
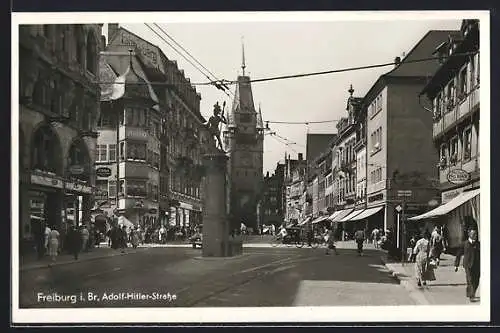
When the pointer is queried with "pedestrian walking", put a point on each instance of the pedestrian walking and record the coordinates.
(123, 238)
(46, 238)
(375, 237)
(437, 244)
(53, 243)
(74, 242)
(330, 241)
(411, 252)
(84, 232)
(134, 235)
(359, 237)
(471, 252)
(424, 267)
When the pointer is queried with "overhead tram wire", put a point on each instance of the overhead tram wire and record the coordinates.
(192, 57)
(349, 69)
(284, 143)
(211, 82)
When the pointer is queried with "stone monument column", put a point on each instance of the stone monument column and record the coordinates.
(215, 220)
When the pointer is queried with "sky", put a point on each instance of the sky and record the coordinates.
(274, 48)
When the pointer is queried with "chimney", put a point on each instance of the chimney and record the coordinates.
(112, 30)
(300, 156)
(397, 61)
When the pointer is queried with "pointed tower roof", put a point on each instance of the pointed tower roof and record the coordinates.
(260, 124)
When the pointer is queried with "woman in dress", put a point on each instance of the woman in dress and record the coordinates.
(423, 271)
(53, 243)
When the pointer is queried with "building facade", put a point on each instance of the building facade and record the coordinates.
(454, 94)
(58, 113)
(244, 141)
(295, 184)
(397, 128)
(180, 139)
(271, 202)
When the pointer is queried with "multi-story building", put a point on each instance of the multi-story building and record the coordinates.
(295, 182)
(129, 137)
(396, 130)
(346, 169)
(454, 93)
(272, 196)
(182, 134)
(244, 140)
(58, 112)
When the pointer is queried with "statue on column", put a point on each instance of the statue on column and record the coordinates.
(214, 122)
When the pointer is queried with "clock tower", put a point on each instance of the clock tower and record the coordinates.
(244, 142)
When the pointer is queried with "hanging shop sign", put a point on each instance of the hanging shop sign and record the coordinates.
(81, 188)
(46, 180)
(458, 176)
(76, 169)
(103, 172)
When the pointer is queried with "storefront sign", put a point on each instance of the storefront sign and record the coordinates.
(70, 186)
(46, 180)
(448, 195)
(76, 169)
(186, 206)
(103, 172)
(458, 176)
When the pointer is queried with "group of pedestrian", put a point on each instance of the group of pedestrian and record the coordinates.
(427, 253)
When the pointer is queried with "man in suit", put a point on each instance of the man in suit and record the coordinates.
(471, 252)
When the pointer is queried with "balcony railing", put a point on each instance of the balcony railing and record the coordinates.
(459, 110)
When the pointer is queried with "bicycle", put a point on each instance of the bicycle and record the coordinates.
(315, 243)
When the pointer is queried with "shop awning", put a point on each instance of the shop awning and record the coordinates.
(340, 214)
(352, 215)
(447, 207)
(367, 213)
(305, 221)
(320, 219)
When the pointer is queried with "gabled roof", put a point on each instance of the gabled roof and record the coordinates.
(423, 69)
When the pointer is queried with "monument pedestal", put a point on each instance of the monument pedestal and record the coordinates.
(217, 241)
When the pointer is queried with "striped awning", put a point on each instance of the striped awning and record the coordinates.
(352, 215)
(367, 213)
(320, 219)
(340, 214)
(444, 209)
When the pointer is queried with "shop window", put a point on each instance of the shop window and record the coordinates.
(454, 150)
(111, 188)
(462, 84)
(45, 150)
(467, 146)
(121, 189)
(112, 152)
(122, 151)
(136, 151)
(101, 153)
(136, 188)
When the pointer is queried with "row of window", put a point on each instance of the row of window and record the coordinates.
(246, 173)
(184, 185)
(129, 150)
(376, 175)
(128, 188)
(361, 164)
(458, 87)
(458, 148)
(376, 140)
(375, 106)
(346, 185)
(346, 154)
(71, 39)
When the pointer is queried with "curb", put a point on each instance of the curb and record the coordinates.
(50, 265)
(415, 294)
(222, 258)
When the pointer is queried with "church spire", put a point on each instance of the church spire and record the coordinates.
(243, 65)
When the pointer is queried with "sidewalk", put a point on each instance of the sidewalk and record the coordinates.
(449, 287)
(29, 262)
